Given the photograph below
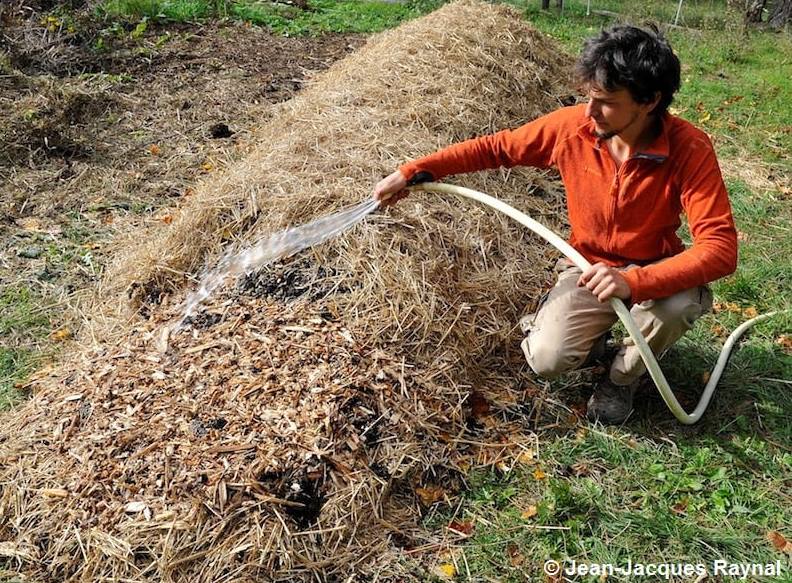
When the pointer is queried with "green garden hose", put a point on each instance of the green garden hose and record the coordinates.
(618, 305)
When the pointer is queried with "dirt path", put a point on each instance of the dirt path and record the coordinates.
(98, 136)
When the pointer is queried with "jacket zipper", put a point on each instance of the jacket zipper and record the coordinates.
(614, 201)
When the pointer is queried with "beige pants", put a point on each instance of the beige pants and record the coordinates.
(570, 319)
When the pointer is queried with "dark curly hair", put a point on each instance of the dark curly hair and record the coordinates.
(627, 57)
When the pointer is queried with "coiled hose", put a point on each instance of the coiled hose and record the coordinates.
(621, 310)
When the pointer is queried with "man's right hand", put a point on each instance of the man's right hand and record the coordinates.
(390, 189)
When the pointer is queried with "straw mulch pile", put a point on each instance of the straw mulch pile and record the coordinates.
(309, 415)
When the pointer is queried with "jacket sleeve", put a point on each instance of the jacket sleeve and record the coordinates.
(532, 144)
(714, 251)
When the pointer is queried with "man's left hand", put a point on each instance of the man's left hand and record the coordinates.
(605, 282)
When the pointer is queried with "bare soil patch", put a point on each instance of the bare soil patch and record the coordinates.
(96, 138)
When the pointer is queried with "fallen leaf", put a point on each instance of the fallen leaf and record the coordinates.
(580, 469)
(207, 166)
(680, 507)
(154, 150)
(529, 512)
(464, 527)
(579, 409)
(750, 312)
(29, 224)
(167, 219)
(719, 330)
(527, 457)
(539, 474)
(779, 541)
(479, 405)
(785, 342)
(516, 558)
(726, 307)
(430, 494)
(446, 570)
(61, 334)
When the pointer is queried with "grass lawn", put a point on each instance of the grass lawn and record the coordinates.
(23, 324)
(286, 18)
(652, 491)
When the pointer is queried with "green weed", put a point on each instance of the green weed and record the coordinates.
(176, 10)
(15, 365)
(20, 313)
(22, 324)
(320, 17)
(27, 316)
(329, 16)
(763, 273)
(109, 78)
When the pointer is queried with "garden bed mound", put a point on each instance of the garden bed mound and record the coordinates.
(286, 434)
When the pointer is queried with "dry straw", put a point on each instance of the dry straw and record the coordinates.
(301, 438)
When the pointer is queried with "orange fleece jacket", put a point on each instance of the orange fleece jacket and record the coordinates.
(624, 217)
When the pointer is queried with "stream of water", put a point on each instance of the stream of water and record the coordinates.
(277, 246)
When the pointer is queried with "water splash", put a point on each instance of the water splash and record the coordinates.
(277, 246)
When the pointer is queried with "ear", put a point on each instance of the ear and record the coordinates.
(650, 107)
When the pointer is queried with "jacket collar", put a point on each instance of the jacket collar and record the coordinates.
(658, 150)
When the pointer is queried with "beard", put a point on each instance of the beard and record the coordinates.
(607, 135)
(611, 133)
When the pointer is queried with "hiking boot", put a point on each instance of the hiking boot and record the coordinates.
(610, 404)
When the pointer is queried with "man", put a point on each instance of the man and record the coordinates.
(630, 169)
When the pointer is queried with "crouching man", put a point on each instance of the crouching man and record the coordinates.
(630, 170)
